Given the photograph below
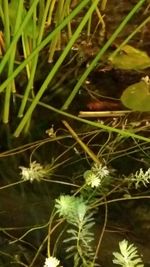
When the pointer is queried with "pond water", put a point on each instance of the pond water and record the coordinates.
(123, 211)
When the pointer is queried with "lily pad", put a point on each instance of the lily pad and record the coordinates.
(137, 96)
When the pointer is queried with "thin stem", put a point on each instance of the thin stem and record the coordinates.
(69, 23)
(89, 26)
(102, 232)
(11, 87)
(38, 251)
(82, 144)
(103, 5)
(6, 23)
(2, 13)
(59, 16)
(10, 185)
(52, 216)
(33, 64)
(7, 42)
(51, 9)
(129, 38)
(26, 53)
(124, 133)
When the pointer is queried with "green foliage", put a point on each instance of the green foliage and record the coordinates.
(24, 45)
(128, 255)
(140, 178)
(13, 6)
(137, 96)
(80, 219)
(130, 58)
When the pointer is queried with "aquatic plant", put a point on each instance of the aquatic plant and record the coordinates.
(35, 172)
(136, 96)
(35, 17)
(140, 178)
(96, 176)
(80, 220)
(128, 255)
(38, 25)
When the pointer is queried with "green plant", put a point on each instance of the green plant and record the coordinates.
(137, 96)
(130, 58)
(30, 29)
(31, 46)
(40, 43)
(128, 255)
(140, 178)
(100, 54)
(80, 220)
(35, 172)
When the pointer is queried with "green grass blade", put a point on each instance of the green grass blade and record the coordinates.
(10, 86)
(17, 35)
(55, 69)
(44, 43)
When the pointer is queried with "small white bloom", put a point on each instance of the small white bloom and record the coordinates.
(92, 179)
(146, 79)
(96, 175)
(51, 262)
(35, 172)
(100, 170)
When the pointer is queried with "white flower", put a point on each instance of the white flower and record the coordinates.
(92, 179)
(100, 170)
(35, 172)
(96, 175)
(51, 262)
(146, 79)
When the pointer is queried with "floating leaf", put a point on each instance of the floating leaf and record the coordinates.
(137, 96)
(130, 58)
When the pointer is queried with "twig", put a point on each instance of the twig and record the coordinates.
(83, 145)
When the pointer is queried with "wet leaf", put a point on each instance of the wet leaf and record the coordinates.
(137, 96)
(131, 58)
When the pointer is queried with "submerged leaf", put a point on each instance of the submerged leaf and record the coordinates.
(137, 96)
(130, 58)
(128, 255)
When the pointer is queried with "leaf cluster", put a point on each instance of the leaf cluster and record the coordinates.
(128, 255)
(80, 237)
